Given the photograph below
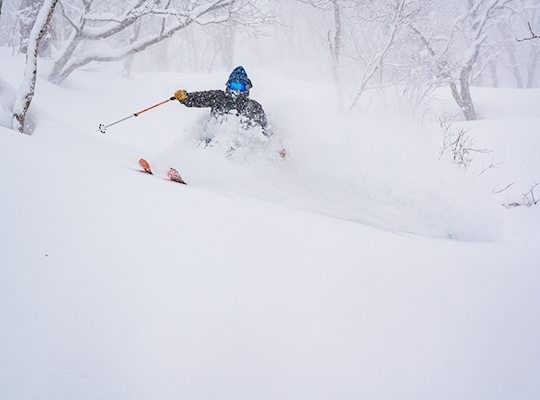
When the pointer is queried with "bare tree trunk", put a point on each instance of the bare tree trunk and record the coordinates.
(336, 50)
(467, 105)
(26, 91)
(463, 95)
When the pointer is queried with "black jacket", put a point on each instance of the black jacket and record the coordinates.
(222, 103)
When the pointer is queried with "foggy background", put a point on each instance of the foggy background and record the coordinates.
(389, 52)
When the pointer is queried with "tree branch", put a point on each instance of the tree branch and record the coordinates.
(101, 54)
(533, 35)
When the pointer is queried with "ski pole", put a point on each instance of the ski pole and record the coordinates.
(102, 127)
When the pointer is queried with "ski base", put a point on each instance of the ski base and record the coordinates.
(175, 176)
(144, 165)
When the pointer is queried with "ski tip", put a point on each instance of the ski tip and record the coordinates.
(144, 165)
(175, 176)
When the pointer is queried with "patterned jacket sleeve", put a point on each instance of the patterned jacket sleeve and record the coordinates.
(208, 98)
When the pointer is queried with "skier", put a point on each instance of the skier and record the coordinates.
(234, 97)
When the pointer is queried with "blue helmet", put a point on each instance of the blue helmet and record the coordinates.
(239, 81)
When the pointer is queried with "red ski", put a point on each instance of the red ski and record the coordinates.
(144, 165)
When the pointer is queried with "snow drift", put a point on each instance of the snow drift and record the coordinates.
(327, 274)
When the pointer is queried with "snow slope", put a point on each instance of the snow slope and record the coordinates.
(362, 265)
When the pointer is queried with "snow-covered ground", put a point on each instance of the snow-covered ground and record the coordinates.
(362, 266)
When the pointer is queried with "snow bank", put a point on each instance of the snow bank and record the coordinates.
(373, 167)
(263, 278)
(380, 170)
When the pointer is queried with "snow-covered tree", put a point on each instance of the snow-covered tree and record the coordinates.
(99, 30)
(26, 90)
(381, 51)
(392, 22)
(335, 7)
(454, 52)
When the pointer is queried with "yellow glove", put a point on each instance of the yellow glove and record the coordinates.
(180, 95)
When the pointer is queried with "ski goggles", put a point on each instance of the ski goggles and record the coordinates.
(240, 86)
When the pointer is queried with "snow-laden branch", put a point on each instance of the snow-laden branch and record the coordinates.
(377, 57)
(112, 24)
(67, 61)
